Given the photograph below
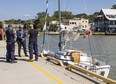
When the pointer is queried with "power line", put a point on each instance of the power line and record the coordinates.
(66, 5)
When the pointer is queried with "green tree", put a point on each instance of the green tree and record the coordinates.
(27, 23)
(53, 28)
(67, 15)
(40, 15)
(19, 21)
(56, 15)
(90, 17)
(93, 16)
(11, 21)
(113, 6)
(64, 15)
(26, 26)
(41, 19)
(1, 24)
(82, 15)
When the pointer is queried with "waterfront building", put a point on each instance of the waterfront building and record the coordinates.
(76, 22)
(106, 21)
(72, 23)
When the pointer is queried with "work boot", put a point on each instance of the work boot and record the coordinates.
(19, 55)
(26, 56)
(30, 60)
(15, 58)
(8, 61)
(36, 59)
(13, 61)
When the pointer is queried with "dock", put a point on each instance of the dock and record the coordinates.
(39, 72)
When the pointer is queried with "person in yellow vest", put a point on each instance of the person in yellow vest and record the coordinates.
(1, 33)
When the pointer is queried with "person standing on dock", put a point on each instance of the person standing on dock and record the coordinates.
(21, 40)
(10, 36)
(1, 33)
(33, 34)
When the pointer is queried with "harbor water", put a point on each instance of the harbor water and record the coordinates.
(100, 46)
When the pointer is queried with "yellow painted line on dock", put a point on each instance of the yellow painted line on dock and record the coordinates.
(3, 43)
(37, 67)
(44, 72)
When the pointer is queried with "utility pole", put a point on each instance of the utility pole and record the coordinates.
(60, 35)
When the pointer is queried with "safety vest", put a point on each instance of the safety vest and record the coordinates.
(1, 32)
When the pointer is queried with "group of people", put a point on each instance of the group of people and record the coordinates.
(19, 36)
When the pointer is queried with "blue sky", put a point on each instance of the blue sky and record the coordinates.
(24, 9)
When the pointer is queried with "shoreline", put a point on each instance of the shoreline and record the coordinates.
(95, 33)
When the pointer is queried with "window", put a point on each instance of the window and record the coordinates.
(102, 73)
(72, 22)
(112, 22)
(111, 16)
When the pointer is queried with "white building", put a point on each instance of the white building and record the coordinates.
(77, 22)
(106, 21)
(71, 23)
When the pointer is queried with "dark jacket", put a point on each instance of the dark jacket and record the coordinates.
(33, 33)
(19, 38)
(10, 35)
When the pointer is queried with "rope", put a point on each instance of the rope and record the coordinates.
(103, 48)
(66, 5)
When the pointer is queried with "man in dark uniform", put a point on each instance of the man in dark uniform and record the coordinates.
(33, 33)
(10, 36)
(21, 40)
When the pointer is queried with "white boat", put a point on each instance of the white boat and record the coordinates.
(75, 57)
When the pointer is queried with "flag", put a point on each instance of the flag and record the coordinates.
(90, 32)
